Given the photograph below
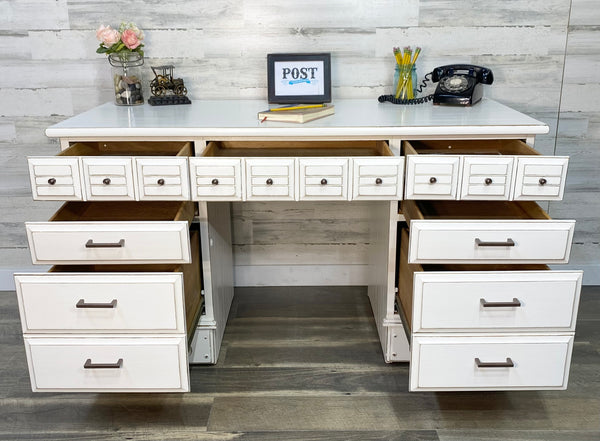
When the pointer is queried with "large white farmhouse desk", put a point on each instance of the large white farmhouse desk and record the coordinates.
(142, 279)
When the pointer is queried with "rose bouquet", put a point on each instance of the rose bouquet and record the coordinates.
(127, 39)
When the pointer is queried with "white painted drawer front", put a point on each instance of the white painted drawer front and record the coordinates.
(55, 179)
(540, 178)
(432, 176)
(378, 178)
(163, 179)
(457, 241)
(270, 179)
(448, 363)
(148, 364)
(487, 177)
(216, 179)
(455, 301)
(108, 178)
(323, 178)
(109, 242)
(101, 302)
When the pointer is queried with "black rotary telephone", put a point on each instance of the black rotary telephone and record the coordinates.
(459, 85)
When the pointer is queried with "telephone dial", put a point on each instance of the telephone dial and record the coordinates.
(459, 85)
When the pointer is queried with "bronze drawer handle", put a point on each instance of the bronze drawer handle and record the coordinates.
(488, 181)
(106, 181)
(543, 181)
(378, 181)
(495, 364)
(89, 365)
(514, 304)
(52, 181)
(432, 180)
(509, 243)
(323, 181)
(91, 244)
(81, 304)
(269, 181)
(215, 181)
(161, 181)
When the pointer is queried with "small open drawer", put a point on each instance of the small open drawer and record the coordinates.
(482, 170)
(113, 232)
(479, 298)
(296, 170)
(492, 232)
(106, 170)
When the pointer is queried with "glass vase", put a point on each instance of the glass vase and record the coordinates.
(127, 78)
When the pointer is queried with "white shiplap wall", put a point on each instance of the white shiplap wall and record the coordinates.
(544, 54)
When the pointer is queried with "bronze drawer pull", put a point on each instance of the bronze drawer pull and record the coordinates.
(89, 365)
(495, 364)
(543, 181)
(323, 181)
(432, 180)
(81, 304)
(269, 181)
(161, 181)
(215, 181)
(378, 181)
(488, 181)
(52, 181)
(509, 243)
(90, 244)
(515, 304)
(106, 181)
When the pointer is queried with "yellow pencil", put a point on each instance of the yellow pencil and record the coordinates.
(279, 109)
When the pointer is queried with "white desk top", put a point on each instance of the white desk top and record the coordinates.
(353, 118)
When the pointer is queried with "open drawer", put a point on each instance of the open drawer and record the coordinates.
(113, 171)
(482, 170)
(296, 170)
(492, 232)
(113, 232)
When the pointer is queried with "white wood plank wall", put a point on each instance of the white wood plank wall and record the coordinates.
(544, 54)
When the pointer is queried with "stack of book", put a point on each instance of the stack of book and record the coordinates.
(297, 114)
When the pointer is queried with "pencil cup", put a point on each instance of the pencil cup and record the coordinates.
(410, 89)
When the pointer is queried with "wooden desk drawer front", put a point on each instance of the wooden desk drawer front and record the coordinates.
(472, 362)
(486, 178)
(216, 179)
(108, 364)
(163, 179)
(378, 178)
(55, 179)
(432, 177)
(323, 178)
(540, 178)
(495, 301)
(270, 179)
(101, 302)
(108, 179)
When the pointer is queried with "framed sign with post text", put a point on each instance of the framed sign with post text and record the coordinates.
(299, 78)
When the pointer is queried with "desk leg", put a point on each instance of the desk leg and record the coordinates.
(382, 262)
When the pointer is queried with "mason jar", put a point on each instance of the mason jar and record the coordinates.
(127, 77)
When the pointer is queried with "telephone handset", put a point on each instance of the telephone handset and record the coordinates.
(459, 85)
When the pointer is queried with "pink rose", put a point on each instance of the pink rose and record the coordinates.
(130, 39)
(107, 35)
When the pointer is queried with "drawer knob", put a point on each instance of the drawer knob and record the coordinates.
(323, 181)
(488, 181)
(543, 181)
(89, 365)
(509, 243)
(161, 181)
(495, 364)
(82, 304)
(51, 181)
(215, 181)
(378, 181)
(432, 180)
(106, 181)
(269, 181)
(91, 244)
(514, 304)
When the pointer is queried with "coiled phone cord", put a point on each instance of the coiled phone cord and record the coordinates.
(392, 99)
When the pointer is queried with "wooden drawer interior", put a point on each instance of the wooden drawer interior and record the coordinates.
(129, 148)
(125, 211)
(296, 148)
(192, 280)
(468, 147)
(473, 210)
(406, 272)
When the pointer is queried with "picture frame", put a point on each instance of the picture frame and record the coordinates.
(299, 78)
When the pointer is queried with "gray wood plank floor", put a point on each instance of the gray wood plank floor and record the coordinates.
(303, 364)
